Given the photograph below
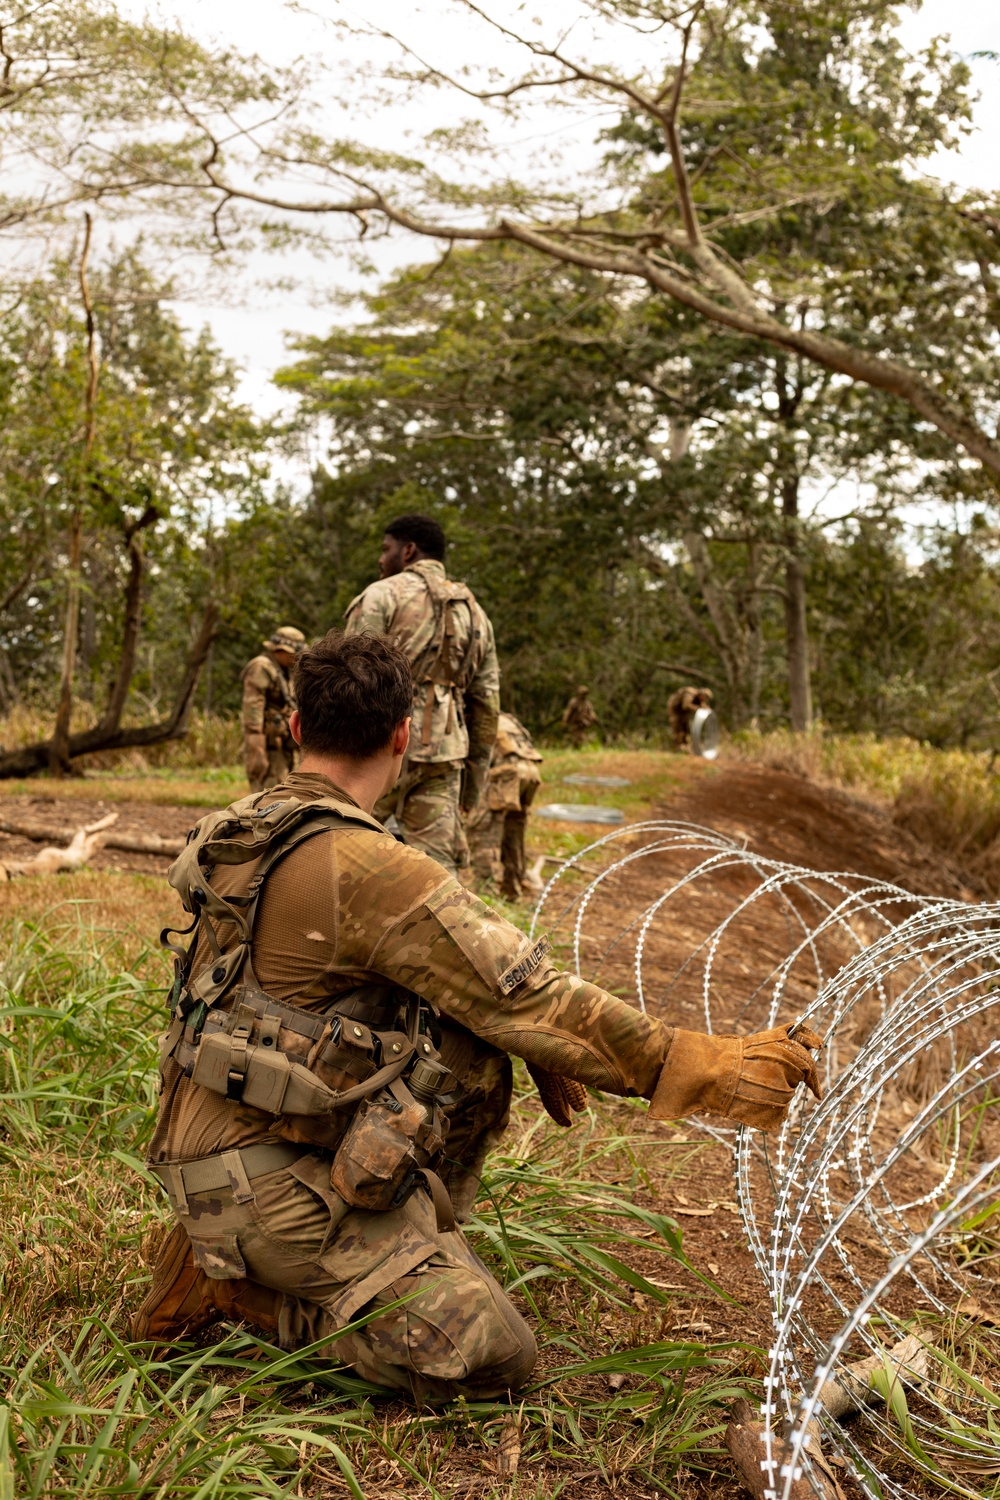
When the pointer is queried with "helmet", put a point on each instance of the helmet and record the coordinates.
(287, 638)
(582, 690)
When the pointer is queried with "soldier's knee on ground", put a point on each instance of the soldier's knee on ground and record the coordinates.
(446, 1331)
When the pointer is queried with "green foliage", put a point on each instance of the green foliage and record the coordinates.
(169, 436)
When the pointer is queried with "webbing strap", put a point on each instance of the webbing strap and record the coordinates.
(444, 1209)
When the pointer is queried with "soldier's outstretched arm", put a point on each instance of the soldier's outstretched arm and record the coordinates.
(489, 977)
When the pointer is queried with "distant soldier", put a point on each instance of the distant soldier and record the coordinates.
(579, 716)
(681, 709)
(268, 703)
(497, 826)
(448, 640)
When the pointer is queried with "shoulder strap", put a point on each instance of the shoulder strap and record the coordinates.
(436, 664)
(242, 833)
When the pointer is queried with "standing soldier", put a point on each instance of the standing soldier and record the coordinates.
(448, 640)
(681, 709)
(579, 715)
(268, 704)
(497, 826)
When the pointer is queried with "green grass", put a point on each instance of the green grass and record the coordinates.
(652, 775)
(567, 1220)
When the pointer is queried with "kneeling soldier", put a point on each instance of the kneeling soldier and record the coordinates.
(497, 826)
(338, 1064)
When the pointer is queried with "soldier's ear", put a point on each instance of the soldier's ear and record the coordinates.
(401, 737)
(295, 726)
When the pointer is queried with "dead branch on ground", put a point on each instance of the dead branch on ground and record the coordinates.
(132, 843)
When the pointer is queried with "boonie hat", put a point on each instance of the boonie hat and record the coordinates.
(287, 638)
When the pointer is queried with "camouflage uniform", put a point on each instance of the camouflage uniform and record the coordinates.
(579, 716)
(449, 641)
(351, 907)
(681, 709)
(268, 703)
(498, 825)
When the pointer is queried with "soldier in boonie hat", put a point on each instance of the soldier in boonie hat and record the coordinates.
(286, 638)
(269, 751)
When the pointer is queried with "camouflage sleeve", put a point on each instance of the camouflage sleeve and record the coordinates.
(485, 685)
(371, 612)
(482, 712)
(255, 685)
(492, 979)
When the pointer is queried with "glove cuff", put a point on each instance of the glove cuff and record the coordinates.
(700, 1074)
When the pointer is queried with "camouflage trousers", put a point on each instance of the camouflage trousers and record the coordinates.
(439, 1325)
(496, 834)
(280, 760)
(425, 803)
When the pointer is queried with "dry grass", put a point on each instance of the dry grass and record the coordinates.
(211, 740)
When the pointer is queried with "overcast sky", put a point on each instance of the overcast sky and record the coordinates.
(252, 328)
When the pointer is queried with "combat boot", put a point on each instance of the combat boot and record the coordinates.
(183, 1300)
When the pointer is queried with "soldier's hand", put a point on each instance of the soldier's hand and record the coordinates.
(473, 781)
(256, 755)
(750, 1079)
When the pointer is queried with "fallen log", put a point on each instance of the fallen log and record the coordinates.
(50, 861)
(132, 843)
(848, 1391)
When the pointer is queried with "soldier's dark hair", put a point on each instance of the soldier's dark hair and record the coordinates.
(423, 531)
(352, 691)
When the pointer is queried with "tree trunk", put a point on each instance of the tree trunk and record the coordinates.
(796, 627)
(59, 743)
(35, 757)
(133, 843)
(59, 755)
(133, 618)
(9, 695)
(755, 648)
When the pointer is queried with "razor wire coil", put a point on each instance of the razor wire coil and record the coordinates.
(874, 1213)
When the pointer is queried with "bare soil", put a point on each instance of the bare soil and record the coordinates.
(786, 817)
(65, 814)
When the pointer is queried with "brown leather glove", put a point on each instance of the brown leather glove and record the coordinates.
(256, 755)
(746, 1078)
(561, 1096)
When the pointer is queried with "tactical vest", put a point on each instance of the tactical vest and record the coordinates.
(362, 1079)
(443, 662)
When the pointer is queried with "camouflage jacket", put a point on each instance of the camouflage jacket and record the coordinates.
(353, 906)
(579, 712)
(268, 699)
(513, 768)
(449, 641)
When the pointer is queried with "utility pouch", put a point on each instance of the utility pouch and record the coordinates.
(394, 1134)
(377, 1158)
(263, 1078)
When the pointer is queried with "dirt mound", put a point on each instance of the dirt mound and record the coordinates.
(786, 817)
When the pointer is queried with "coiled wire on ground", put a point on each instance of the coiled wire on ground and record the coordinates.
(874, 1214)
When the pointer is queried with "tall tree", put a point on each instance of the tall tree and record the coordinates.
(496, 371)
(99, 477)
